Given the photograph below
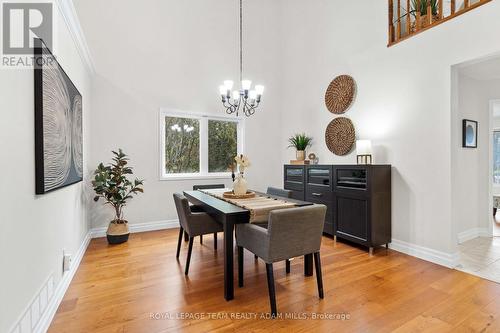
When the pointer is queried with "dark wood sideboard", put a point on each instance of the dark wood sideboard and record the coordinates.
(357, 197)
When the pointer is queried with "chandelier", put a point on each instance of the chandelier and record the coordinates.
(244, 100)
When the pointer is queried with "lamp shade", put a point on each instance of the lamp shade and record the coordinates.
(363, 147)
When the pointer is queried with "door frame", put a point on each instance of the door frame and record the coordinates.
(491, 128)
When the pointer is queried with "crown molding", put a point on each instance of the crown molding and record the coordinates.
(68, 12)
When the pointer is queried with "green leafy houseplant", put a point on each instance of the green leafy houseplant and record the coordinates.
(111, 184)
(421, 6)
(300, 142)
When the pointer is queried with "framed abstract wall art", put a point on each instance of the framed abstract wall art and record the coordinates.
(469, 133)
(58, 124)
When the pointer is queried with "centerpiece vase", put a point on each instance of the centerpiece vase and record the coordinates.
(240, 186)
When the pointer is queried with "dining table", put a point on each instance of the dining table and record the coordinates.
(229, 215)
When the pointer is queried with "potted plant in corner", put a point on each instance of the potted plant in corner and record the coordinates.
(300, 142)
(111, 183)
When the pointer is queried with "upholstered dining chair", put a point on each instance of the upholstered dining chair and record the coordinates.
(291, 233)
(279, 192)
(194, 224)
(199, 209)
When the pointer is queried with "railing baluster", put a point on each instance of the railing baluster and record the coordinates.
(417, 16)
(391, 21)
(398, 31)
(408, 17)
(452, 7)
(466, 4)
(440, 9)
(429, 14)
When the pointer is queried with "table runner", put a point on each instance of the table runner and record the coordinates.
(259, 206)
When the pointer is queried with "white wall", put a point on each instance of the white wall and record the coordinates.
(403, 103)
(470, 167)
(175, 54)
(34, 230)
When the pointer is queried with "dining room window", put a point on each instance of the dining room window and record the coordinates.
(198, 145)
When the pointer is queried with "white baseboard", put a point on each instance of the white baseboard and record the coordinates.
(51, 309)
(472, 233)
(425, 253)
(140, 227)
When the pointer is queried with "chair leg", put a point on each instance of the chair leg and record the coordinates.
(188, 260)
(186, 237)
(179, 243)
(319, 276)
(255, 257)
(240, 266)
(201, 239)
(287, 266)
(272, 291)
(215, 241)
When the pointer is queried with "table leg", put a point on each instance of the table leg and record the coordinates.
(228, 261)
(308, 265)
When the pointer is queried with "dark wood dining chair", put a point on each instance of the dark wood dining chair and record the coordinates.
(199, 209)
(193, 223)
(291, 233)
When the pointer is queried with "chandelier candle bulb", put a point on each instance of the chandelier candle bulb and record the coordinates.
(259, 89)
(246, 84)
(229, 84)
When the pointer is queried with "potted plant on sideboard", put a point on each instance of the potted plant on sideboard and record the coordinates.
(111, 183)
(300, 142)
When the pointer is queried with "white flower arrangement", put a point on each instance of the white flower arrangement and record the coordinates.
(242, 162)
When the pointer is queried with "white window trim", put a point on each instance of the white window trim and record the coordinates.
(203, 117)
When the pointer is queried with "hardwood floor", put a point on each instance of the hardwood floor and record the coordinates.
(134, 287)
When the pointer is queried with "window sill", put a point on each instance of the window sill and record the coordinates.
(180, 177)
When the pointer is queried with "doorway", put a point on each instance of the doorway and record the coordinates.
(476, 169)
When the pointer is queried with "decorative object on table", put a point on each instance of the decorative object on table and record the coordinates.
(300, 162)
(111, 183)
(364, 152)
(233, 175)
(240, 185)
(313, 158)
(340, 136)
(244, 99)
(300, 142)
(58, 124)
(232, 195)
(469, 133)
(340, 94)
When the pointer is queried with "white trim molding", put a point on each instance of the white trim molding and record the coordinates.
(425, 253)
(51, 309)
(68, 12)
(139, 227)
(467, 235)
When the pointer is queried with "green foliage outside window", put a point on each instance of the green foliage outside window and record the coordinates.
(222, 145)
(182, 145)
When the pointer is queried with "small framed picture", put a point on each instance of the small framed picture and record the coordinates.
(469, 133)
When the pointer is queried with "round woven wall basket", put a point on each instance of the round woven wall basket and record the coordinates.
(340, 94)
(340, 136)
